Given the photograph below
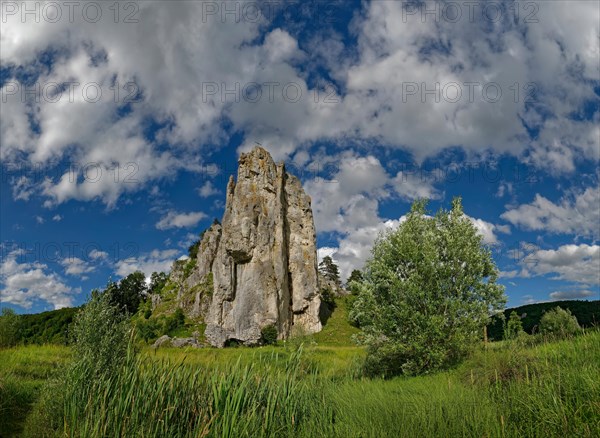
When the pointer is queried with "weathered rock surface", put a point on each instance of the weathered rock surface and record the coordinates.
(185, 342)
(167, 341)
(163, 341)
(262, 260)
(336, 289)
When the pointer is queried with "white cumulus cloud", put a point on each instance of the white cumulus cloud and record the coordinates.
(174, 219)
(24, 283)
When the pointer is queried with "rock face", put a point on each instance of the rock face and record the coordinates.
(336, 289)
(262, 260)
(167, 341)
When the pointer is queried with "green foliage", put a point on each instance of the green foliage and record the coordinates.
(173, 322)
(148, 330)
(208, 285)
(559, 323)
(330, 270)
(189, 267)
(427, 293)
(10, 328)
(157, 282)
(179, 317)
(328, 297)
(193, 249)
(24, 371)
(586, 312)
(514, 326)
(166, 399)
(128, 293)
(355, 277)
(48, 327)
(100, 333)
(268, 334)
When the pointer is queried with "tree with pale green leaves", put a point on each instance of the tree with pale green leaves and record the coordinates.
(427, 293)
(559, 323)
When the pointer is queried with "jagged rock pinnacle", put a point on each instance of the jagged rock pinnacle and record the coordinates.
(262, 259)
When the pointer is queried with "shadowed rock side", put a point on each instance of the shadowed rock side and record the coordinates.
(262, 259)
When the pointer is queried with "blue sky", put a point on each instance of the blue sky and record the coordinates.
(120, 127)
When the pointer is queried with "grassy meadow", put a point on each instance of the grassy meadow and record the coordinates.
(310, 387)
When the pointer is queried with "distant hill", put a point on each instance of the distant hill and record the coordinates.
(47, 327)
(587, 313)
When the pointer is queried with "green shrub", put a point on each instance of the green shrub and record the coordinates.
(268, 334)
(327, 297)
(514, 327)
(175, 321)
(559, 323)
(10, 328)
(147, 330)
(101, 333)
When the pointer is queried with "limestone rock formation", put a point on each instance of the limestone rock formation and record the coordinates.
(336, 289)
(167, 341)
(259, 267)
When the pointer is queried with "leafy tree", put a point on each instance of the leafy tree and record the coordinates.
(157, 282)
(129, 292)
(514, 326)
(330, 270)
(269, 334)
(559, 323)
(100, 332)
(355, 276)
(10, 328)
(427, 293)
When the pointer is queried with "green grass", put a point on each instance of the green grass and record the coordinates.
(335, 362)
(506, 389)
(337, 331)
(23, 372)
